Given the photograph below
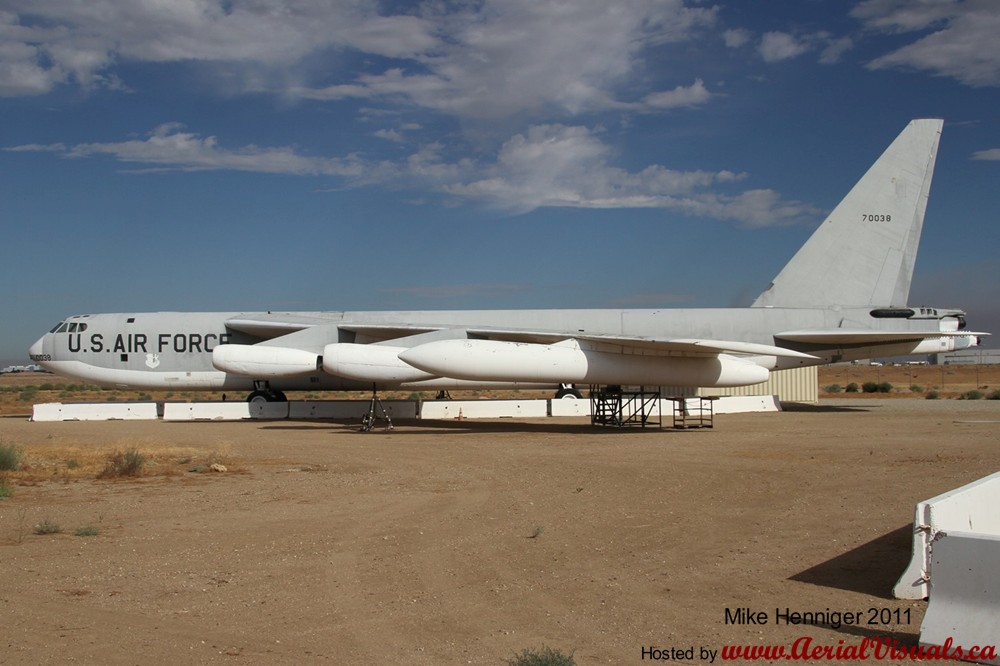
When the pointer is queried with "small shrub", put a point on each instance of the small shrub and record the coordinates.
(994, 395)
(916, 388)
(852, 387)
(5, 490)
(128, 463)
(833, 388)
(932, 395)
(544, 657)
(10, 457)
(971, 395)
(47, 527)
(86, 531)
(870, 387)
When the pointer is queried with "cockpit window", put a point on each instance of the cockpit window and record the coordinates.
(62, 328)
(56, 327)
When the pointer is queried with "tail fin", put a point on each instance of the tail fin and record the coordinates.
(863, 254)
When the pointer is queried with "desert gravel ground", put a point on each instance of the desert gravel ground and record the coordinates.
(467, 542)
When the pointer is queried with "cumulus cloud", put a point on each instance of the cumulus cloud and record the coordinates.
(681, 96)
(486, 60)
(556, 165)
(736, 37)
(960, 40)
(776, 46)
(549, 165)
(169, 148)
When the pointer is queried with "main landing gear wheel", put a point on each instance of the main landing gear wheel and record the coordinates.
(266, 395)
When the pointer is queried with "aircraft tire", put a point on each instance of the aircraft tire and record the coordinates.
(568, 394)
(266, 396)
(258, 396)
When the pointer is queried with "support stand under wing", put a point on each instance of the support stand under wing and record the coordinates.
(369, 419)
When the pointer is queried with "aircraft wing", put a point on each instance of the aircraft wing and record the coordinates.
(621, 344)
(631, 344)
(267, 325)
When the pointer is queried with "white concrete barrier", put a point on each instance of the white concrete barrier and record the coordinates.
(971, 508)
(484, 409)
(740, 404)
(101, 411)
(569, 407)
(349, 409)
(206, 411)
(964, 605)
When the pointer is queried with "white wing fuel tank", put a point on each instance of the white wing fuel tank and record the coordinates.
(571, 361)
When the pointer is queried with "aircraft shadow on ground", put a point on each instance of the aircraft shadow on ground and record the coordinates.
(872, 568)
(409, 427)
(818, 409)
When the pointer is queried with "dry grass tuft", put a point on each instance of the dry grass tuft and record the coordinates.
(125, 461)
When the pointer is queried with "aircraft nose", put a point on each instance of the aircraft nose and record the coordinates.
(37, 349)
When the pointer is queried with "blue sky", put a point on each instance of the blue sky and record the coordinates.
(346, 154)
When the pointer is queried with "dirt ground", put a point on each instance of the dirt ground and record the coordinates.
(468, 542)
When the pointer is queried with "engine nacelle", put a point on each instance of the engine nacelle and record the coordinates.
(491, 360)
(260, 361)
(370, 363)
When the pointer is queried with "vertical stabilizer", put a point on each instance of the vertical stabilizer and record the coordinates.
(863, 253)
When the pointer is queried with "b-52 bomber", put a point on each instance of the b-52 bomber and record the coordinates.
(841, 297)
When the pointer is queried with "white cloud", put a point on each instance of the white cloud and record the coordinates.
(556, 165)
(546, 166)
(834, 49)
(736, 37)
(776, 46)
(172, 149)
(962, 41)
(991, 154)
(692, 95)
(486, 60)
